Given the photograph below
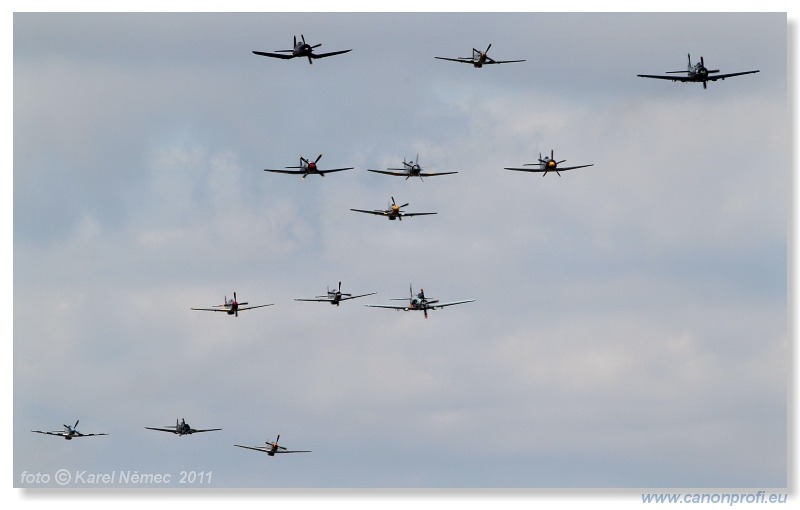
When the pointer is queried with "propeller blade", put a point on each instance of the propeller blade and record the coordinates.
(551, 153)
(393, 202)
(76, 424)
(318, 158)
(559, 162)
(303, 37)
(702, 63)
(340, 286)
(316, 46)
(295, 41)
(487, 49)
(404, 205)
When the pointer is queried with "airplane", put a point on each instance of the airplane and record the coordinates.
(69, 432)
(479, 59)
(273, 448)
(231, 307)
(181, 428)
(301, 49)
(307, 167)
(548, 164)
(696, 73)
(410, 169)
(420, 302)
(394, 212)
(334, 297)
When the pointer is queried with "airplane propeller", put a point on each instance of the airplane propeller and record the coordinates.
(487, 49)
(546, 162)
(309, 165)
(394, 208)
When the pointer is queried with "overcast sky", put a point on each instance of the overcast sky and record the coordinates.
(630, 322)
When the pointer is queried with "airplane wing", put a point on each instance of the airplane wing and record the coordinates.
(462, 60)
(58, 433)
(293, 451)
(490, 60)
(416, 214)
(344, 298)
(171, 431)
(334, 170)
(428, 174)
(242, 308)
(212, 309)
(379, 213)
(321, 300)
(723, 76)
(387, 172)
(285, 171)
(672, 78)
(323, 55)
(442, 305)
(274, 55)
(572, 167)
(192, 431)
(256, 448)
(80, 434)
(557, 169)
(391, 307)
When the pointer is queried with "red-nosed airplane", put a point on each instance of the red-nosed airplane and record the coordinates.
(231, 307)
(307, 167)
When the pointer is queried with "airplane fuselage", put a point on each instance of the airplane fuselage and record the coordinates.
(479, 59)
(302, 50)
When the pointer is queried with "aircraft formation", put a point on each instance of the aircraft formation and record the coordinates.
(418, 301)
(181, 428)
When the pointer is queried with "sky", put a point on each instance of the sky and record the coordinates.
(631, 323)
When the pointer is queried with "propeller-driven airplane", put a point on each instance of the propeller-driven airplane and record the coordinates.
(410, 169)
(696, 73)
(307, 167)
(272, 448)
(420, 302)
(548, 164)
(300, 49)
(69, 432)
(479, 59)
(181, 428)
(336, 296)
(394, 212)
(231, 307)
